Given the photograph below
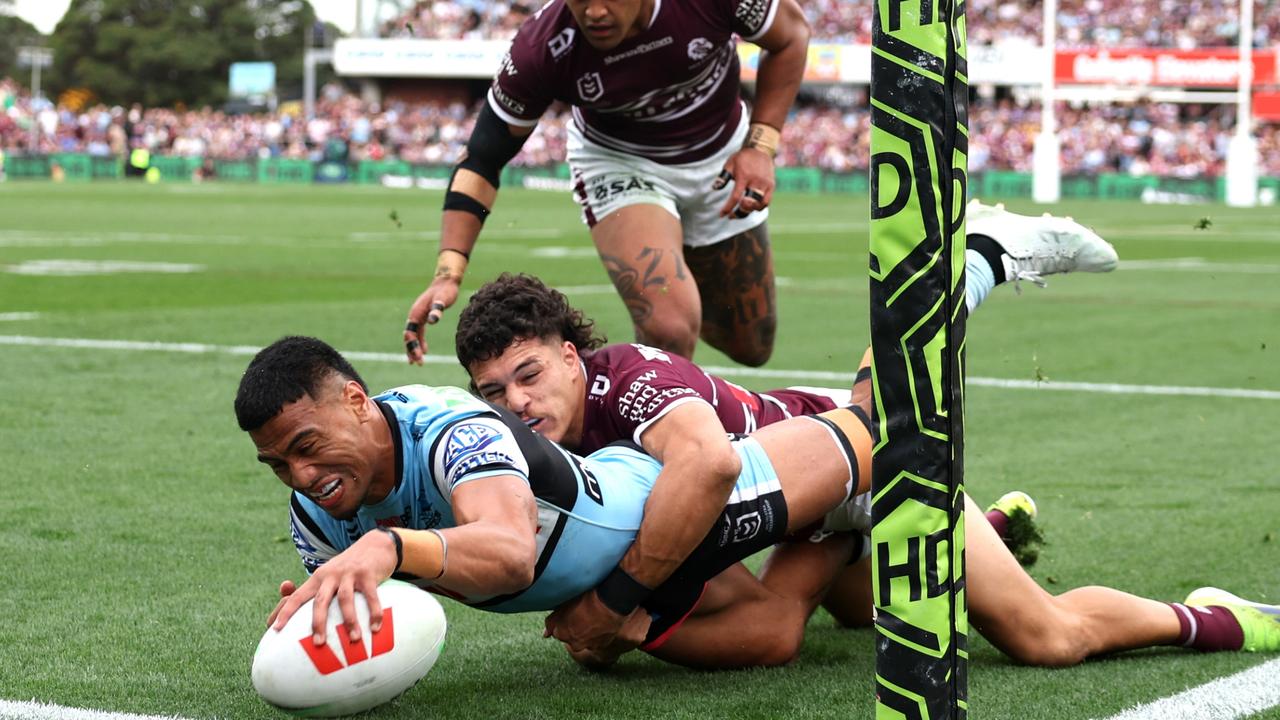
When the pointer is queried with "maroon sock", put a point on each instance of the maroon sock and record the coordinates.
(999, 521)
(1207, 629)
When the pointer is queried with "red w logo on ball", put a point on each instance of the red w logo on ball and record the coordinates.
(326, 661)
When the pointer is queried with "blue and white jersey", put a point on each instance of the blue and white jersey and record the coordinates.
(588, 508)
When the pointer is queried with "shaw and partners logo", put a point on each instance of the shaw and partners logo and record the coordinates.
(326, 660)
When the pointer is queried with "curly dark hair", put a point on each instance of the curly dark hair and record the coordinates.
(282, 373)
(518, 307)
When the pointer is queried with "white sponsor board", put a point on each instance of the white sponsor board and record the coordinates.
(1007, 63)
(404, 57)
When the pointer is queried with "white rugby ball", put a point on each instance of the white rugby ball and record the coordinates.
(339, 677)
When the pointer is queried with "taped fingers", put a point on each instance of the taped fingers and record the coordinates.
(752, 198)
(433, 317)
(724, 178)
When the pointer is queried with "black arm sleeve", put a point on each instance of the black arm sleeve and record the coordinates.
(491, 146)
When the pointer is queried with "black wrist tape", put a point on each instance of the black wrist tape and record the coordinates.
(621, 593)
(395, 538)
(863, 375)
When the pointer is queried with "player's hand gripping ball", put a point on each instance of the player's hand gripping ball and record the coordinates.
(341, 677)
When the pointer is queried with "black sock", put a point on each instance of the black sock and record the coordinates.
(990, 250)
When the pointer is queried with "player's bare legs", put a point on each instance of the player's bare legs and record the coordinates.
(811, 464)
(1034, 627)
(744, 621)
(849, 597)
(641, 247)
(739, 307)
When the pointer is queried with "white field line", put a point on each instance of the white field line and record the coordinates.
(80, 238)
(1195, 264)
(11, 710)
(16, 316)
(24, 238)
(509, 233)
(78, 268)
(1119, 389)
(1228, 698)
(1251, 234)
(586, 289)
(843, 378)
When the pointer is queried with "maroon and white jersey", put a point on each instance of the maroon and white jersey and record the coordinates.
(630, 386)
(670, 94)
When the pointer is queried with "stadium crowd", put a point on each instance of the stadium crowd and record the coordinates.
(1146, 139)
(1183, 24)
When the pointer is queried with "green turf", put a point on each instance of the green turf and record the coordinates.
(143, 543)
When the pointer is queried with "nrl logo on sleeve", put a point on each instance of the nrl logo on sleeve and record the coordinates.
(561, 43)
(699, 48)
(590, 87)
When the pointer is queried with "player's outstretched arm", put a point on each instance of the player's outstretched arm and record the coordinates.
(473, 189)
(785, 48)
(492, 551)
(699, 469)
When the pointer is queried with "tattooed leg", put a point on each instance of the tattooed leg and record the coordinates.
(739, 311)
(641, 248)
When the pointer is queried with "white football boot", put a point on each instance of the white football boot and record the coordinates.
(1259, 622)
(1039, 246)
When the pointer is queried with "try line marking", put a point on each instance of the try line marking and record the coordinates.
(11, 710)
(845, 378)
(1234, 696)
(1230, 698)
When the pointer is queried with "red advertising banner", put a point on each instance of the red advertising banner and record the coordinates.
(1266, 105)
(1161, 67)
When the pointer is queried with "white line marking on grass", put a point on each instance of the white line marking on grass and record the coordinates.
(815, 375)
(1248, 233)
(510, 233)
(15, 316)
(76, 268)
(555, 251)
(1228, 698)
(1195, 264)
(22, 238)
(12, 710)
(1119, 389)
(586, 289)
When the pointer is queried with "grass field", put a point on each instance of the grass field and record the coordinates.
(142, 543)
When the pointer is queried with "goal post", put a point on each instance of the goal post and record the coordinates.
(919, 114)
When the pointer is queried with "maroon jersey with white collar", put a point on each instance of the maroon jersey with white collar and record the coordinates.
(669, 94)
(629, 387)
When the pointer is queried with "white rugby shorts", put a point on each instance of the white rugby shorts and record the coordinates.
(606, 180)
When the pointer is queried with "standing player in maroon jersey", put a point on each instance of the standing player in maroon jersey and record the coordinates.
(673, 174)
